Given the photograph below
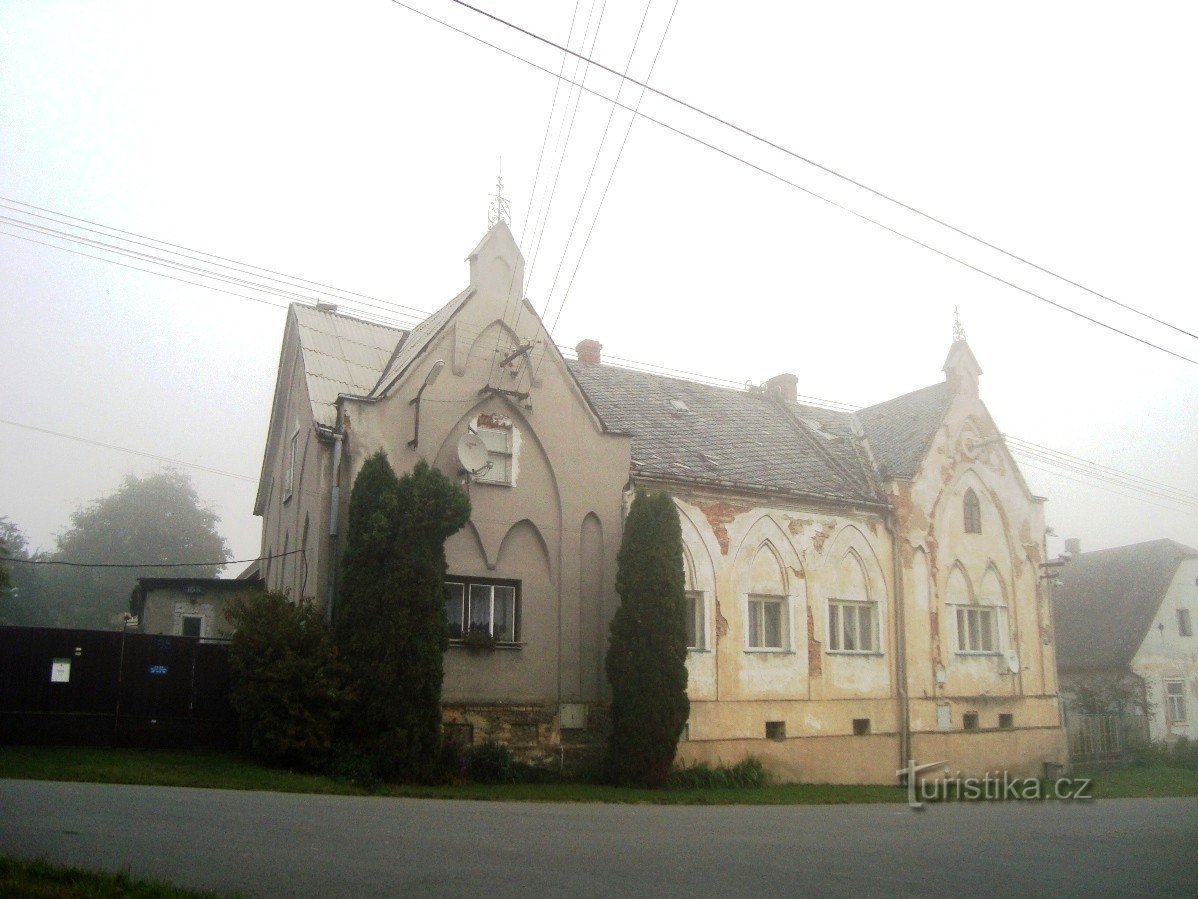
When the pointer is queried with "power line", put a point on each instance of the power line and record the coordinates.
(153, 564)
(829, 170)
(822, 198)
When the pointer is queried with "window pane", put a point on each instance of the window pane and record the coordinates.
(192, 625)
(694, 621)
(961, 629)
(834, 627)
(866, 627)
(850, 628)
(971, 620)
(986, 622)
(453, 609)
(505, 614)
(480, 608)
(773, 624)
(500, 469)
(494, 439)
(755, 623)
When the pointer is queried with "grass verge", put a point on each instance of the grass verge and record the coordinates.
(47, 881)
(222, 770)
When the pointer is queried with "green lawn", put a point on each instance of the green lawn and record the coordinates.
(235, 772)
(46, 881)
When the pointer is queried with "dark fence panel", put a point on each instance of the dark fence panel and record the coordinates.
(107, 688)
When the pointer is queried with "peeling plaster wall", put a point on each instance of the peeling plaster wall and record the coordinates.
(944, 567)
(1166, 655)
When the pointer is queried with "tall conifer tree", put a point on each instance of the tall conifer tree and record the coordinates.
(646, 659)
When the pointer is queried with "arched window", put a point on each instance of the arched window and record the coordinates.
(852, 615)
(973, 513)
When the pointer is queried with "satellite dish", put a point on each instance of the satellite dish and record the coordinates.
(1012, 660)
(472, 452)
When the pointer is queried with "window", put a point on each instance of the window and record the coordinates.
(192, 626)
(775, 730)
(1184, 626)
(289, 474)
(1175, 700)
(976, 629)
(477, 606)
(767, 622)
(973, 513)
(851, 626)
(1006, 720)
(497, 438)
(860, 727)
(969, 721)
(695, 630)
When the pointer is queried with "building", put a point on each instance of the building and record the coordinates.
(187, 606)
(863, 588)
(1125, 633)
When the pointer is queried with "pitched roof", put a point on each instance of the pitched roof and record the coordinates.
(686, 431)
(1107, 599)
(341, 354)
(901, 430)
(419, 338)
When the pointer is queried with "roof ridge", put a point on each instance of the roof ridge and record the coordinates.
(903, 396)
(337, 313)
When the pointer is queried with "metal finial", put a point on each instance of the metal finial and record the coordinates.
(500, 209)
(958, 328)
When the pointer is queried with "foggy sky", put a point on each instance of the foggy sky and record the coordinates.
(356, 144)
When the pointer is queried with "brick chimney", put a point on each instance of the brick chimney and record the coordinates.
(1073, 547)
(784, 387)
(588, 351)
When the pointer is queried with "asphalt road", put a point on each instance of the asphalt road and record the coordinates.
(275, 844)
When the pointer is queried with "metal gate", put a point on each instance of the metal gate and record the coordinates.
(106, 688)
(1108, 738)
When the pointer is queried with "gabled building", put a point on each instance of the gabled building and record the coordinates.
(1125, 624)
(863, 588)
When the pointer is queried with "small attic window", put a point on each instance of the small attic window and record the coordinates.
(973, 513)
(680, 407)
(709, 461)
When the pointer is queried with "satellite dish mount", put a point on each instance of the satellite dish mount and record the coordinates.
(472, 453)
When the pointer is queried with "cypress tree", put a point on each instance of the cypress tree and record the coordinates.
(390, 625)
(646, 658)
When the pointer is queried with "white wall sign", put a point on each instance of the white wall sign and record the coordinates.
(60, 671)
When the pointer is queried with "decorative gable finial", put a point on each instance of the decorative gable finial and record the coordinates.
(500, 209)
(958, 328)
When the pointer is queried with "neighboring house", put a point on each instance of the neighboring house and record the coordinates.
(187, 606)
(862, 588)
(1126, 615)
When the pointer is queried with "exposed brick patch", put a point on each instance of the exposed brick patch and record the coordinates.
(721, 623)
(796, 525)
(815, 649)
(798, 573)
(719, 515)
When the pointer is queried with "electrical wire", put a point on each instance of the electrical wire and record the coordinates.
(824, 199)
(153, 564)
(829, 170)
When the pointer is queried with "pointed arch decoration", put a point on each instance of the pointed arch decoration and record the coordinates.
(972, 509)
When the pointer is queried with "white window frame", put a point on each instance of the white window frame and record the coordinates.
(289, 474)
(467, 583)
(837, 610)
(755, 616)
(696, 616)
(495, 473)
(965, 642)
(1175, 701)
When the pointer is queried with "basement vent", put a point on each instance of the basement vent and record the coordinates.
(969, 721)
(1006, 721)
(775, 730)
(860, 727)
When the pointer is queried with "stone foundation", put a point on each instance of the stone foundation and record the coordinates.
(533, 733)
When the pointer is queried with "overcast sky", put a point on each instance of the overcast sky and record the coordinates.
(356, 143)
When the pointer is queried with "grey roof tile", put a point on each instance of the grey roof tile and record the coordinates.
(901, 430)
(1106, 601)
(341, 354)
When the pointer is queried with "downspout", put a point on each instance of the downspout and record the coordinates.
(334, 510)
(900, 649)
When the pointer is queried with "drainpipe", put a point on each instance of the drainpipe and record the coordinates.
(900, 649)
(334, 511)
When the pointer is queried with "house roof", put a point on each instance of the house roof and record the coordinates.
(682, 430)
(341, 354)
(901, 430)
(1106, 601)
(720, 436)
